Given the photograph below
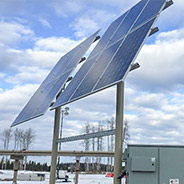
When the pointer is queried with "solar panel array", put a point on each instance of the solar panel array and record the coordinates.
(111, 59)
(54, 82)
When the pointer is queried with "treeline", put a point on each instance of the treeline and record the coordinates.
(31, 165)
(92, 167)
(18, 139)
(37, 166)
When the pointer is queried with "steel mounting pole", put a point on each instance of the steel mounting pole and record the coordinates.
(119, 132)
(55, 145)
(15, 168)
(77, 167)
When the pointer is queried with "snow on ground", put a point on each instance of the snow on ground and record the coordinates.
(83, 178)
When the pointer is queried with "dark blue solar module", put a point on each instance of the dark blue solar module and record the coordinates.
(151, 9)
(115, 55)
(128, 22)
(121, 61)
(54, 82)
(71, 88)
(89, 81)
(107, 35)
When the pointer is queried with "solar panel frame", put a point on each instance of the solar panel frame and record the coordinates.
(53, 83)
(57, 104)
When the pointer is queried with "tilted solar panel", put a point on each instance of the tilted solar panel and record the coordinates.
(110, 61)
(54, 82)
(124, 56)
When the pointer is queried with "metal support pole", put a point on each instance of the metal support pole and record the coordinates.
(119, 132)
(15, 168)
(60, 136)
(55, 145)
(77, 170)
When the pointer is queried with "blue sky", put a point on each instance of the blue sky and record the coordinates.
(35, 34)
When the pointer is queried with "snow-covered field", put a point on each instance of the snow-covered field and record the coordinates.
(83, 178)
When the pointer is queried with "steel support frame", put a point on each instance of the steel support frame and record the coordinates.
(77, 167)
(119, 132)
(16, 164)
(55, 145)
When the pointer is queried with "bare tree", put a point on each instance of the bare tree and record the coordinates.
(93, 147)
(6, 137)
(15, 135)
(108, 146)
(99, 145)
(126, 134)
(23, 140)
(111, 146)
(86, 142)
(20, 139)
(28, 138)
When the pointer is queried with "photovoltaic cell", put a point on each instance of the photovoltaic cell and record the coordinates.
(124, 56)
(53, 83)
(114, 58)
(71, 88)
(107, 36)
(151, 9)
(128, 22)
(96, 71)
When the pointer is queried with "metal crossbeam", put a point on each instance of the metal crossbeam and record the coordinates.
(87, 136)
(60, 153)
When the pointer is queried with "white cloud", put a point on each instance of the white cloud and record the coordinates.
(1, 76)
(90, 21)
(171, 36)
(45, 22)
(28, 75)
(154, 116)
(45, 54)
(150, 100)
(118, 5)
(11, 59)
(60, 44)
(83, 26)
(11, 33)
(12, 100)
(47, 51)
(64, 8)
(161, 63)
(45, 59)
(171, 17)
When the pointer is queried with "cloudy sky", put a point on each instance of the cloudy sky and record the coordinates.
(35, 34)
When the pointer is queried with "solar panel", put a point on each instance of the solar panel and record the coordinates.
(110, 61)
(121, 61)
(126, 25)
(152, 8)
(107, 35)
(53, 83)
